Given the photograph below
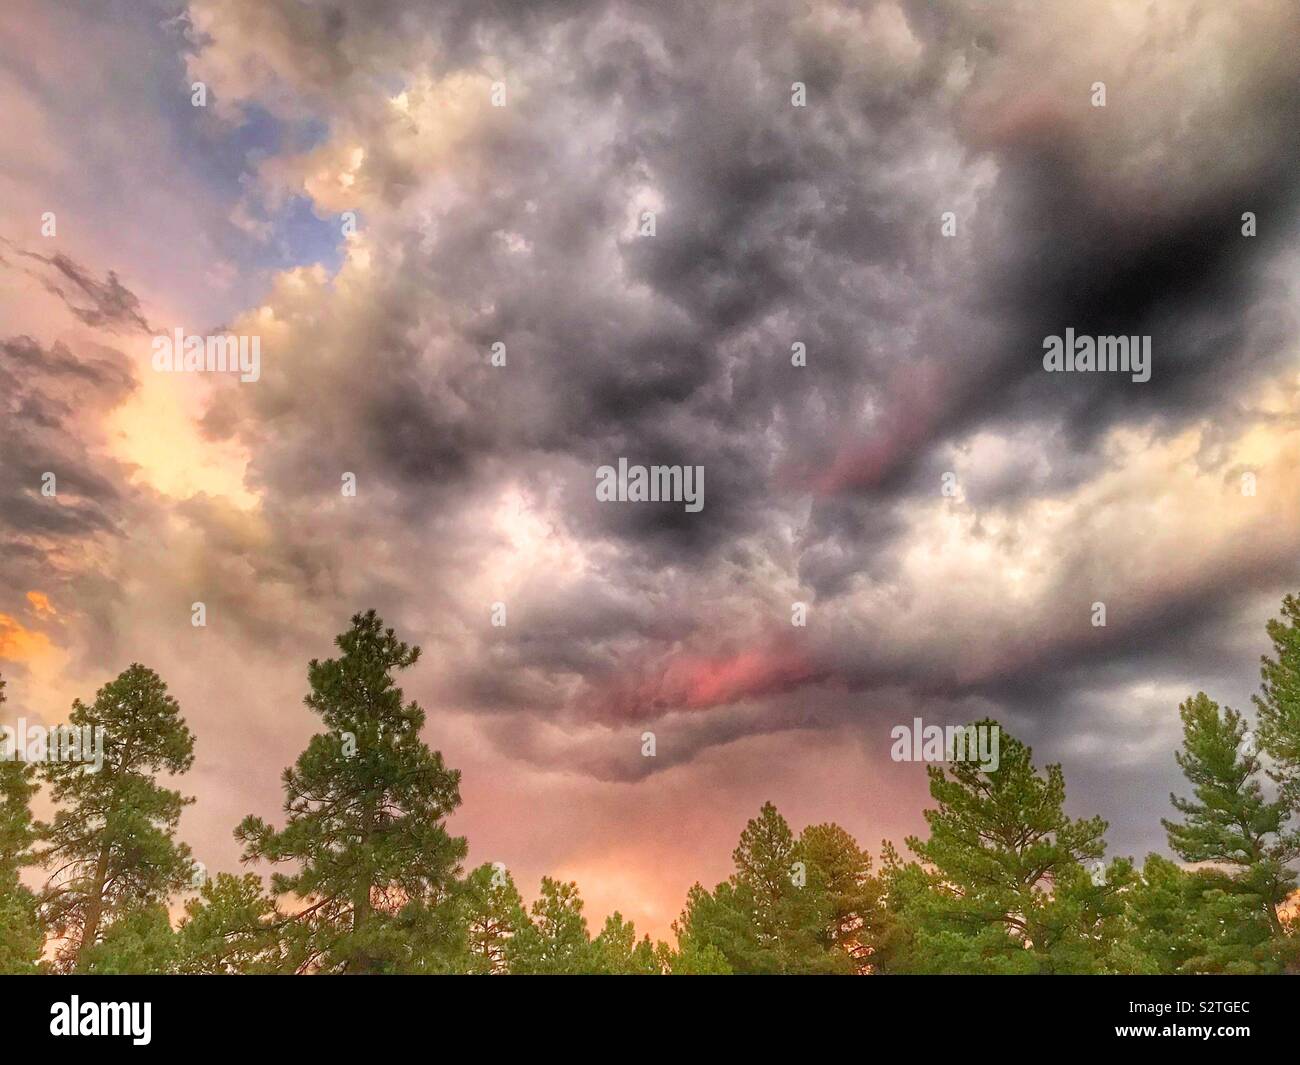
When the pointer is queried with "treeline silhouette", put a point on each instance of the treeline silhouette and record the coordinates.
(368, 879)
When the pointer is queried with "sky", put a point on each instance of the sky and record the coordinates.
(383, 190)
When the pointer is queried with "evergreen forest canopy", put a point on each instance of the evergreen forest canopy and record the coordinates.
(366, 878)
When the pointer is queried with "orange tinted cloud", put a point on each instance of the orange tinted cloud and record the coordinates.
(40, 602)
(19, 644)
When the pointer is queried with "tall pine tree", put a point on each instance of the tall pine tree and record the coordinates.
(773, 915)
(1005, 885)
(556, 941)
(617, 952)
(1279, 702)
(1228, 820)
(492, 913)
(111, 847)
(840, 870)
(365, 807)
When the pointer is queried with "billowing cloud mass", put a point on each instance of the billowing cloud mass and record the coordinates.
(385, 191)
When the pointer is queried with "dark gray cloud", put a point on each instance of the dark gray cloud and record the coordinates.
(104, 304)
(775, 224)
(46, 392)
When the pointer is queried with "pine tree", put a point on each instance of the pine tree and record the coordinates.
(1279, 702)
(234, 927)
(111, 848)
(904, 887)
(1003, 886)
(618, 953)
(556, 941)
(789, 909)
(1183, 922)
(1229, 821)
(692, 958)
(428, 937)
(365, 807)
(138, 942)
(21, 938)
(493, 913)
(774, 914)
(719, 925)
(841, 871)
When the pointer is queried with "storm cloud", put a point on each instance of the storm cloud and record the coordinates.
(947, 195)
